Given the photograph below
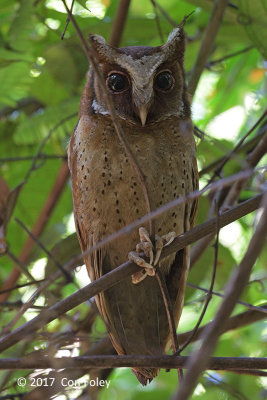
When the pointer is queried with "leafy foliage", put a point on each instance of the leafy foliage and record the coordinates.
(41, 79)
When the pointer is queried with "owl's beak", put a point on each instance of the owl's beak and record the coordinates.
(143, 114)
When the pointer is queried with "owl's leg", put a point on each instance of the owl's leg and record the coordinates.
(147, 247)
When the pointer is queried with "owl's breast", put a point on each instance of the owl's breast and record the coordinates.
(109, 195)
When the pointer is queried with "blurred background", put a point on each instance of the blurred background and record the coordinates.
(41, 80)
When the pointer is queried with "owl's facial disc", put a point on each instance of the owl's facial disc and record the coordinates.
(146, 83)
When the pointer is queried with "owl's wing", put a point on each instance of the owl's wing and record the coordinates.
(83, 235)
(72, 161)
(194, 206)
(176, 279)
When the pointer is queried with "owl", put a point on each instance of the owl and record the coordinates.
(147, 86)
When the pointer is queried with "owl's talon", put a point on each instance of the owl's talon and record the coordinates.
(168, 238)
(148, 269)
(158, 247)
(147, 247)
(134, 256)
(139, 276)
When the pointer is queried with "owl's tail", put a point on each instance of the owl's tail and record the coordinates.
(145, 375)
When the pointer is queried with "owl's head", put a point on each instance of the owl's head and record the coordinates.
(146, 83)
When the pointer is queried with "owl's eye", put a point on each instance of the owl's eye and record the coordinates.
(117, 82)
(164, 81)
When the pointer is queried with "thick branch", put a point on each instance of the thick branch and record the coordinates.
(207, 44)
(199, 360)
(124, 270)
(104, 361)
(119, 22)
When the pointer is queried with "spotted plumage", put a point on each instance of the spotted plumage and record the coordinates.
(107, 194)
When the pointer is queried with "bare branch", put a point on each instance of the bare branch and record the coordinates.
(108, 361)
(124, 270)
(237, 147)
(207, 43)
(47, 252)
(222, 183)
(211, 334)
(119, 22)
(209, 292)
(42, 156)
(243, 303)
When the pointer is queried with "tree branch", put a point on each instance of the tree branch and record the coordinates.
(104, 361)
(200, 358)
(121, 272)
(207, 44)
(119, 22)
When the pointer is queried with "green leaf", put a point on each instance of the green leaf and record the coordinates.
(36, 128)
(22, 26)
(44, 85)
(15, 81)
(253, 14)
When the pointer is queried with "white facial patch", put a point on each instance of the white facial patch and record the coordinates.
(99, 109)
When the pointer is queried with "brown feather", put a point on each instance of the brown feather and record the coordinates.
(107, 196)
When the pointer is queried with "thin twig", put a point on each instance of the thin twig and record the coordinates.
(218, 170)
(120, 273)
(169, 312)
(171, 21)
(209, 64)
(42, 156)
(67, 21)
(18, 304)
(243, 303)
(234, 190)
(210, 291)
(21, 286)
(47, 252)
(234, 288)
(20, 264)
(34, 164)
(246, 147)
(252, 159)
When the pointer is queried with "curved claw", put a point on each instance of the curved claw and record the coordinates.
(147, 247)
(168, 238)
(139, 276)
(134, 256)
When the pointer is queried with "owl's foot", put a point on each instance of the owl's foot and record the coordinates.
(152, 253)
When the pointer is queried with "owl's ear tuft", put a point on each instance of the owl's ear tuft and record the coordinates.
(103, 51)
(175, 46)
(98, 43)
